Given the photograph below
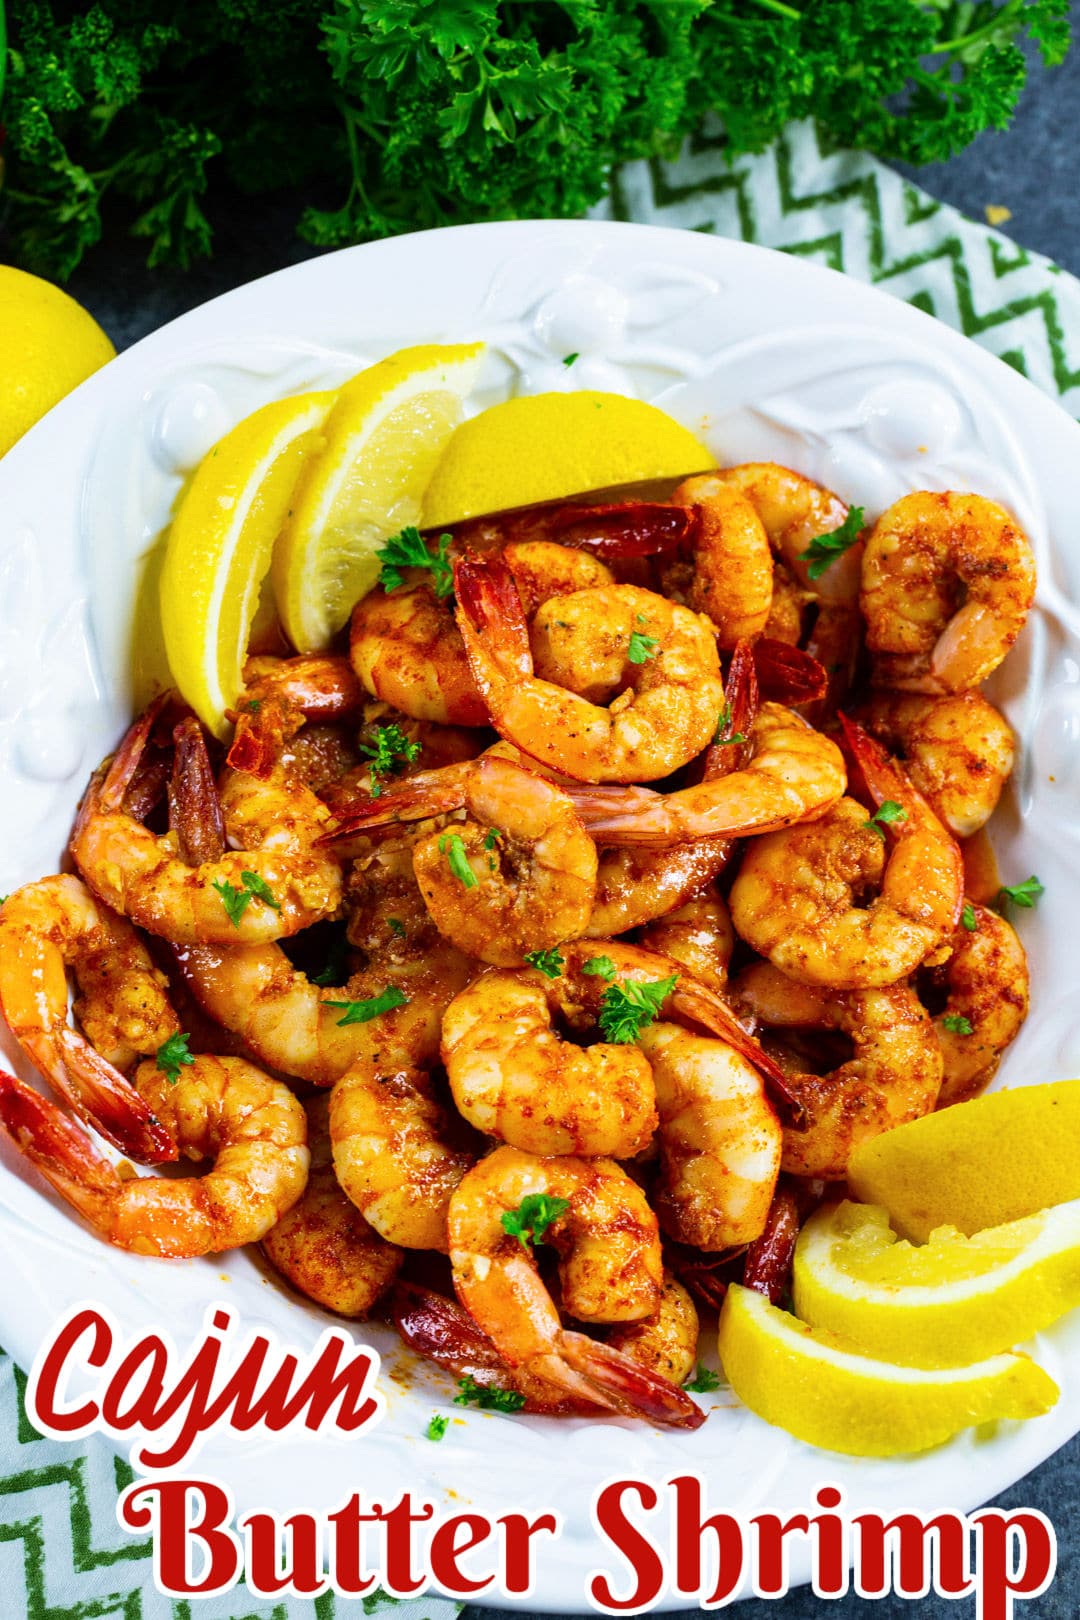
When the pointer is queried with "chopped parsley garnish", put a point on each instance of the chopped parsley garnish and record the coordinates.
(957, 1024)
(172, 1055)
(642, 648)
(488, 1400)
(236, 901)
(549, 963)
(533, 1216)
(627, 1008)
(452, 845)
(1021, 894)
(601, 967)
(888, 813)
(437, 1427)
(409, 550)
(362, 1012)
(968, 918)
(390, 752)
(704, 1379)
(824, 549)
(568, 359)
(254, 706)
(491, 837)
(396, 927)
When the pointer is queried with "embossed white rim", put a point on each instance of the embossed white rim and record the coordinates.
(779, 358)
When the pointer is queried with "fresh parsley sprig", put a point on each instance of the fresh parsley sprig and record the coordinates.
(626, 1009)
(488, 1399)
(549, 963)
(887, 814)
(642, 648)
(533, 1216)
(824, 549)
(968, 918)
(703, 1381)
(1021, 894)
(409, 549)
(172, 1055)
(389, 753)
(236, 900)
(957, 1024)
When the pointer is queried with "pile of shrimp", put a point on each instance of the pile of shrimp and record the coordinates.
(593, 913)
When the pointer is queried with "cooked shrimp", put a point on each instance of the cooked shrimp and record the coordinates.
(789, 603)
(123, 1007)
(732, 572)
(794, 511)
(947, 583)
(609, 1268)
(518, 875)
(958, 751)
(893, 1076)
(664, 688)
(515, 1078)
(406, 648)
(323, 1245)
(699, 935)
(719, 1140)
(615, 530)
(987, 987)
(223, 1109)
(666, 1343)
(317, 1032)
(272, 826)
(794, 774)
(279, 695)
(398, 1153)
(799, 897)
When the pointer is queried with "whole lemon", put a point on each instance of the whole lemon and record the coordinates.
(48, 345)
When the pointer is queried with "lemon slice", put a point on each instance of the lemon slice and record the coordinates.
(544, 447)
(979, 1164)
(954, 1300)
(219, 547)
(811, 1384)
(387, 430)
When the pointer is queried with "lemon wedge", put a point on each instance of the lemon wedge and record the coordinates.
(220, 543)
(814, 1386)
(956, 1299)
(979, 1164)
(384, 435)
(545, 447)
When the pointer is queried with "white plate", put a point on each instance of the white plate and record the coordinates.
(766, 356)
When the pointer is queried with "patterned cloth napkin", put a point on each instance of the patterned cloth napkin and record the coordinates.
(62, 1554)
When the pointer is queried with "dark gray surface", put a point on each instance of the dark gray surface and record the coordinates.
(1032, 170)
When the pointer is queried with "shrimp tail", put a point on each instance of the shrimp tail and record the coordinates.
(621, 529)
(429, 793)
(194, 806)
(125, 762)
(489, 610)
(731, 748)
(58, 1150)
(625, 1386)
(787, 674)
(885, 777)
(101, 1095)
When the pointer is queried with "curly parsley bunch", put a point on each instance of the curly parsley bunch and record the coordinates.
(402, 114)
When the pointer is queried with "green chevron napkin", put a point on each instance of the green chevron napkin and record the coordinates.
(62, 1554)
